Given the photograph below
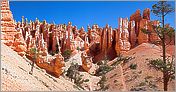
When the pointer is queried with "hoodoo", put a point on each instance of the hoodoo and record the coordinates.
(51, 40)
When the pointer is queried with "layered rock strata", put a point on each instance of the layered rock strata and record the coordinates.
(51, 40)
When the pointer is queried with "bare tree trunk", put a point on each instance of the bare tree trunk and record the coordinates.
(165, 81)
(164, 54)
(31, 72)
(165, 75)
(164, 60)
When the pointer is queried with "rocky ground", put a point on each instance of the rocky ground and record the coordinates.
(15, 75)
(141, 78)
(90, 49)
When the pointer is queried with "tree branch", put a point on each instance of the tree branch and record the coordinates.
(168, 43)
(166, 13)
(158, 34)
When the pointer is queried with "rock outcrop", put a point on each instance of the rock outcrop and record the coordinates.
(142, 37)
(146, 14)
(86, 62)
(15, 75)
(132, 33)
(153, 37)
(54, 67)
(140, 23)
(9, 35)
(53, 40)
(122, 36)
(7, 23)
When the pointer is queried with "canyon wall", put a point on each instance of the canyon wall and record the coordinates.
(51, 39)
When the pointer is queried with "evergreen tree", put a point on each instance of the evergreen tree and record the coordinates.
(161, 9)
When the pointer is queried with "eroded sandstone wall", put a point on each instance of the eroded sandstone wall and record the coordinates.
(98, 43)
(7, 23)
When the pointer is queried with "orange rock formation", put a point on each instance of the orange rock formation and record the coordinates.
(7, 23)
(53, 39)
(9, 35)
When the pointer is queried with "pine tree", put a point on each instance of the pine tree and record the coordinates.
(161, 9)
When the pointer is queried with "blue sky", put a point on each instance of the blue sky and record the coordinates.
(82, 13)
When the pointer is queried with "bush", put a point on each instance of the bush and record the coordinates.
(102, 82)
(33, 50)
(34, 53)
(86, 80)
(78, 48)
(72, 71)
(74, 74)
(67, 54)
(122, 59)
(103, 69)
(78, 81)
(133, 66)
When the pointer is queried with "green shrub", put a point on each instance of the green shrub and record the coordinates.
(78, 48)
(33, 50)
(103, 69)
(74, 74)
(67, 54)
(78, 81)
(72, 71)
(122, 59)
(133, 66)
(86, 80)
(102, 82)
